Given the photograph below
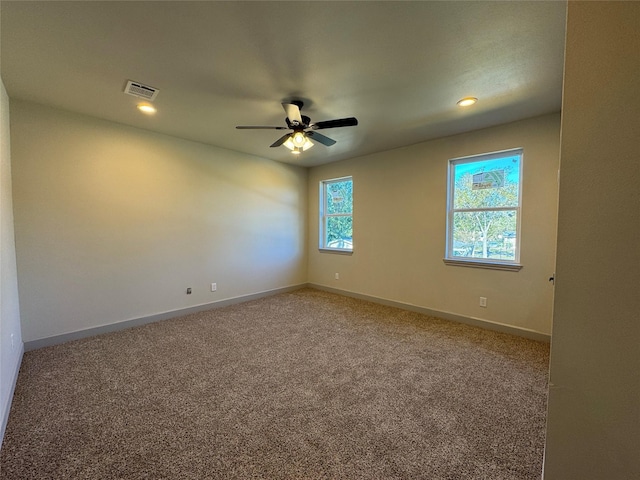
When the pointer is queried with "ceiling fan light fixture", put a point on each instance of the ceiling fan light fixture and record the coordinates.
(298, 139)
(298, 143)
(307, 144)
(289, 144)
(467, 101)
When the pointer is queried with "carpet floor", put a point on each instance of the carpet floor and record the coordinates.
(300, 385)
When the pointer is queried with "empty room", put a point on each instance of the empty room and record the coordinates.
(305, 240)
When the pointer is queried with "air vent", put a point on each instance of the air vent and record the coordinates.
(137, 89)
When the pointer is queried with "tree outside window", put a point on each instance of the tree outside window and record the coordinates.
(484, 208)
(336, 214)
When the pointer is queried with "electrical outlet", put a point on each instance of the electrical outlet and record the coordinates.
(189, 291)
(337, 276)
(483, 302)
(214, 287)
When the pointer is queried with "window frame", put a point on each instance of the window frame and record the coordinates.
(490, 263)
(324, 216)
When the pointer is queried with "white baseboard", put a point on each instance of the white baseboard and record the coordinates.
(135, 322)
(476, 322)
(4, 418)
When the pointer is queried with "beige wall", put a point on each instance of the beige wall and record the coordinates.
(10, 334)
(399, 228)
(114, 223)
(594, 399)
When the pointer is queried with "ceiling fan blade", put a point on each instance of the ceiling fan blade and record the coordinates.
(293, 113)
(281, 140)
(259, 127)
(318, 137)
(341, 122)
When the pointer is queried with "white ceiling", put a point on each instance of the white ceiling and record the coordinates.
(399, 67)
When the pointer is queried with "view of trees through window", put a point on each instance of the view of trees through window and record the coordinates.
(337, 209)
(484, 205)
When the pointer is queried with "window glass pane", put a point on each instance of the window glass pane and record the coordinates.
(485, 235)
(339, 232)
(339, 197)
(487, 183)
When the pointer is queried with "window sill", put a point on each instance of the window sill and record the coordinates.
(509, 267)
(334, 250)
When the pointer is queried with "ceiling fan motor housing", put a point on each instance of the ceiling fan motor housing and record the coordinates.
(305, 123)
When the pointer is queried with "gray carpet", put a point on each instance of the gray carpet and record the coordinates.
(302, 385)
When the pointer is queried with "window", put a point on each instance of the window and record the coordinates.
(336, 214)
(483, 217)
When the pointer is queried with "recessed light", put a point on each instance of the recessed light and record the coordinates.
(146, 108)
(467, 101)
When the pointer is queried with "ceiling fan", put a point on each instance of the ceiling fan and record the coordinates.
(303, 131)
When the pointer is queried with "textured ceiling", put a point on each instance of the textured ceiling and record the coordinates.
(399, 67)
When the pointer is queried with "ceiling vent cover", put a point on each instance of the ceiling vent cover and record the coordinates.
(137, 89)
